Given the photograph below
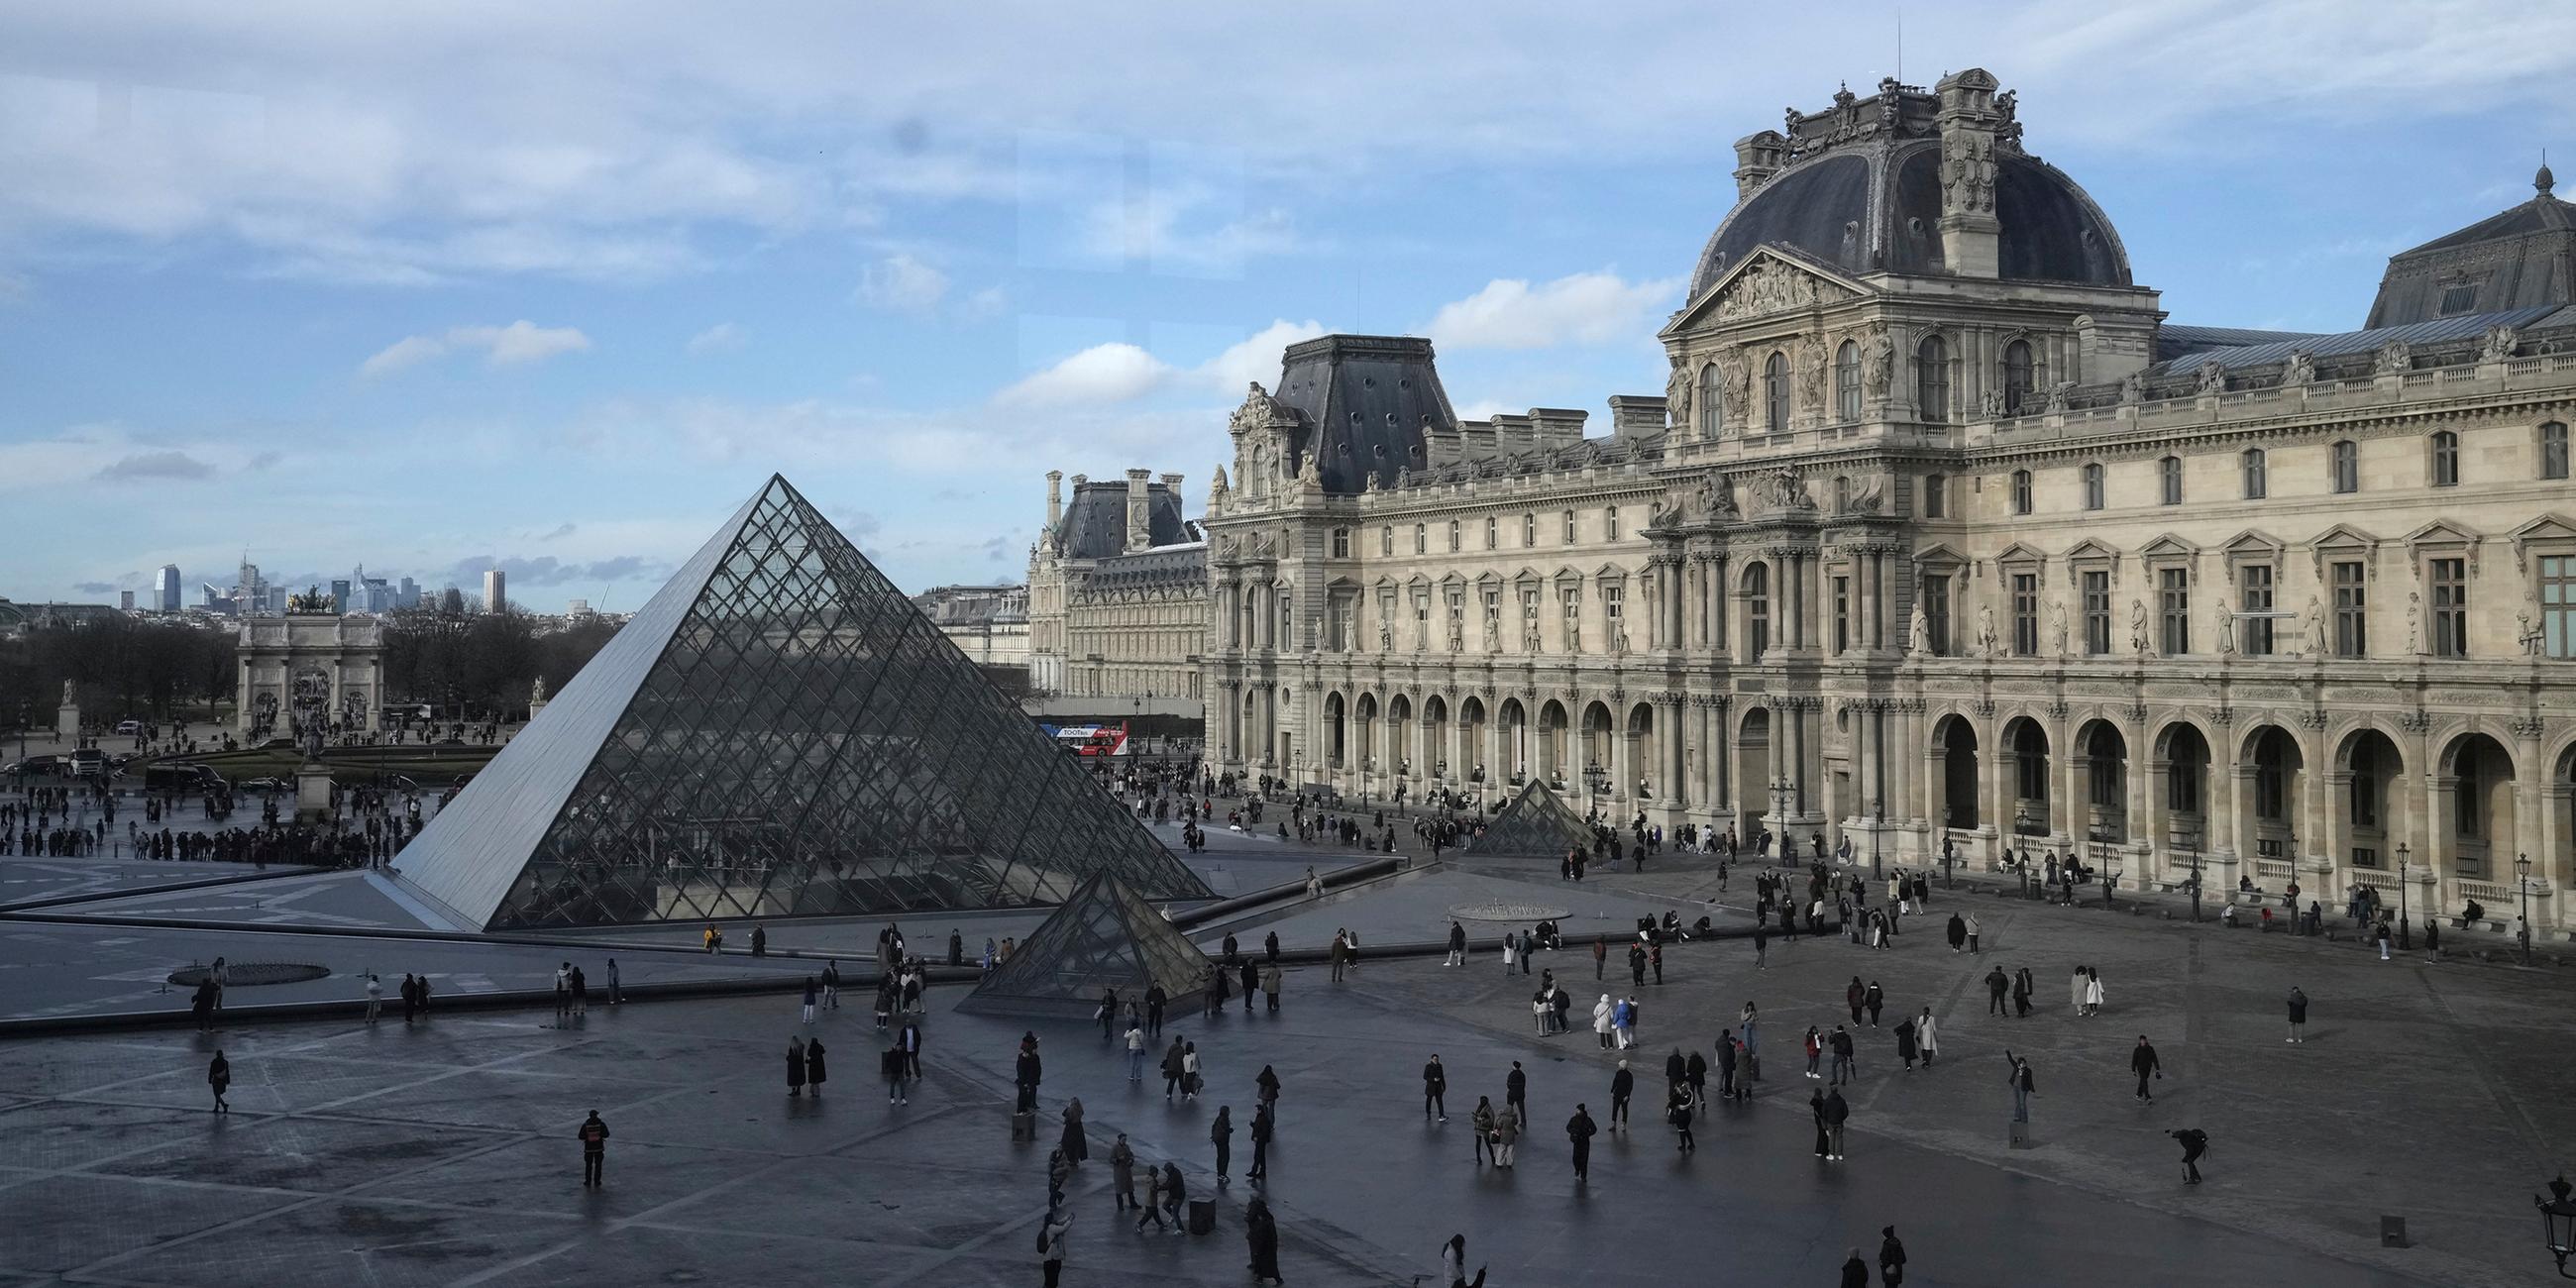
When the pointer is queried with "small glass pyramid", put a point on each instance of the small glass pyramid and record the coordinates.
(1104, 937)
(1536, 822)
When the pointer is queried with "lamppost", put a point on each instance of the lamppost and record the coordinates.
(2192, 836)
(2558, 1223)
(2021, 831)
(2290, 883)
(2405, 932)
(2522, 879)
(1780, 820)
(2110, 874)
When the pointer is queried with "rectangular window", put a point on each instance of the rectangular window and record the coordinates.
(2459, 299)
(2346, 458)
(2173, 590)
(1421, 539)
(1842, 614)
(2258, 478)
(2351, 611)
(1529, 531)
(2446, 459)
(1610, 524)
(1936, 611)
(1453, 536)
(2558, 605)
(1493, 609)
(1341, 543)
(2097, 613)
(1572, 611)
(2450, 578)
(1936, 497)
(1569, 527)
(1493, 534)
(2553, 450)
(2025, 614)
(2169, 478)
(2021, 491)
(1386, 541)
(2254, 634)
(1457, 612)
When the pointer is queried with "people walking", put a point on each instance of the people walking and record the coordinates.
(1135, 1050)
(2024, 987)
(1482, 1118)
(1973, 948)
(1457, 945)
(891, 1064)
(375, 997)
(1507, 1134)
(1190, 1080)
(1153, 1206)
(1622, 1085)
(1270, 985)
(2143, 1062)
(1906, 1049)
(2019, 1080)
(1874, 999)
(1516, 1090)
(1815, 1048)
(1816, 1111)
(1453, 1264)
(1997, 983)
(1435, 1090)
(1855, 1271)
(2195, 1143)
(580, 993)
(219, 1077)
(1843, 1057)
(594, 1150)
(1601, 1020)
(1059, 1174)
(2092, 991)
(1580, 1130)
(1027, 1071)
(1924, 1036)
(1263, 1124)
(813, 993)
(2298, 1015)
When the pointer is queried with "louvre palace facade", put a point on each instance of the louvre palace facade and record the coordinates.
(1940, 532)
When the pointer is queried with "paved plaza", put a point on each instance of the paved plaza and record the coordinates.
(442, 1153)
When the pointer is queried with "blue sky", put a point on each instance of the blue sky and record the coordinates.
(430, 287)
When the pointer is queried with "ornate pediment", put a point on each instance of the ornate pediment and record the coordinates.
(1767, 282)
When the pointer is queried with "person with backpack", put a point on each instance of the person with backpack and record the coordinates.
(2195, 1143)
(1051, 1234)
(594, 1150)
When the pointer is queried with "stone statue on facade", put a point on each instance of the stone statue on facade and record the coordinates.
(1988, 642)
(1991, 402)
(2226, 627)
(2059, 395)
(2394, 358)
(1735, 373)
(1878, 363)
(70, 698)
(2498, 344)
(1385, 635)
(2057, 626)
(1918, 632)
(2415, 623)
(1677, 395)
(1871, 498)
(2138, 625)
(2133, 389)
(2526, 635)
(1811, 377)
(537, 690)
(2213, 376)
(2298, 369)
(2316, 627)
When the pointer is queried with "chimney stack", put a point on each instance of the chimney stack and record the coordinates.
(1970, 233)
(1055, 499)
(1140, 512)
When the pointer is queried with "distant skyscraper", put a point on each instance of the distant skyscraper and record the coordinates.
(496, 591)
(169, 588)
(125, 600)
(409, 596)
(451, 601)
(577, 608)
(340, 600)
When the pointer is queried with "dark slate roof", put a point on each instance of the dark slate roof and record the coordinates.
(2415, 335)
(2175, 341)
(1364, 403)
(1177, 565)
(1618, 449)
(1870, 212)
(1095, 521)
(2519, 258)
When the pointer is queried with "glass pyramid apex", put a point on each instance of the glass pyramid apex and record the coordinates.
(1537, 821)
(779, 732)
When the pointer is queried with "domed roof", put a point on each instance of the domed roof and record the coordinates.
(1878, 209)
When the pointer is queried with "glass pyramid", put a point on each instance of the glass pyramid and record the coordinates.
(1104, 937)
(1536, 822)
(778, 733)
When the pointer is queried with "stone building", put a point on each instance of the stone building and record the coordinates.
(989, 624)
(1117, 597)
(309, 668)
(1941, 535)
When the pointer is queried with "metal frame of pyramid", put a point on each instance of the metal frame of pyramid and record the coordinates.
(778, 733)
(1537, 822)
(1105, 936)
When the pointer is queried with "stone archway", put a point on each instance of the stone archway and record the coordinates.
(2027, 789)
(1954, 744)
(1759, 800)
(2180, 801)
(2475, 812)
(2103, 813)
(2272, 774)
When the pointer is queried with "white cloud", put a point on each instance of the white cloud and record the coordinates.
(723, 337)
(517, 344)
(902, 284)
(1256, 358)
(983, 305)
(1583, 308)
(1104, 373)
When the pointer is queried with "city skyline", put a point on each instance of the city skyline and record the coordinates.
(545, 331)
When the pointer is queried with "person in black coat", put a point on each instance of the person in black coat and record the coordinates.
(1855, 1271)
(1155, 1000)
(1261, 1235)
(795, 1066)
(1891, 1259)
(1270, 947)
(1251, 984)
(1837, 1112)
(814, 1069)
(2143, 1062)
(892, 1065)
(1622, 1085)
(1029, 1071)
(1262, 1126)
(1516, 1091)
(1580, 1130)
(2195, 1143)
(219, 1076)
(1221, 1135)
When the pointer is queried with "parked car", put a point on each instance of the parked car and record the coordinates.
(267, 785)
(37, 766)
(88, 762)
(183, 776)
(129, 727)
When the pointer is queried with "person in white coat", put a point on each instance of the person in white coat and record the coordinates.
(2092, 991)
(1924, 1035)
(1601, 1012)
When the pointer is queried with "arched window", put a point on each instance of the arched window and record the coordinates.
(2345, 456)
(1842, 494)
(2016, 377)
(2092, 486)
(1932, 378)
(2021, 491)
(2446, 459)
(1712, 401)
(2169, 480)
(1775, 393)
(1757, 611)
(1847, 382)
(2258, 474)
(2553, 450)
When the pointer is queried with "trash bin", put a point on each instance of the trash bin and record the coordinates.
(1024, 1126)
(1202, 1216)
